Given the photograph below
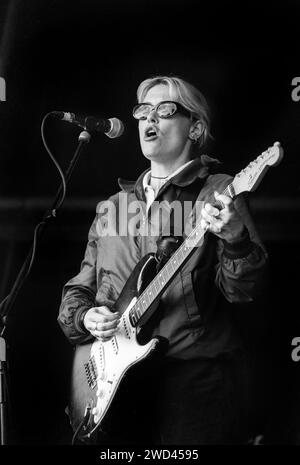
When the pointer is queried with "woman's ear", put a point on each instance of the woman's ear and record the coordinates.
(196, 130)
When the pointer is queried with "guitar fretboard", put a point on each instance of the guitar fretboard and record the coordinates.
(168, 271)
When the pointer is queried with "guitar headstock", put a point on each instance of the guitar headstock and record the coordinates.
(249, 178)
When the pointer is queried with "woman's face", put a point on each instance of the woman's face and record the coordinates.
(171, 140)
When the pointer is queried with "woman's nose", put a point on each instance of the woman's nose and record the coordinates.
(152, 116)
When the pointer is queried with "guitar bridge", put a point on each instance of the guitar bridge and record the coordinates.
(91, 372)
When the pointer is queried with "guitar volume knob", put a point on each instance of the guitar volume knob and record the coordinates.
(101, 394)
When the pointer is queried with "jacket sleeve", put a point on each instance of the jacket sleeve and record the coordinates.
(242, 268)
(79, 293)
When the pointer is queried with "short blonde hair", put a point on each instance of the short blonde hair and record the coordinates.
(186, 94)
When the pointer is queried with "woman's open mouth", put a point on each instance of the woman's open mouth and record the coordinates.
(151, 133)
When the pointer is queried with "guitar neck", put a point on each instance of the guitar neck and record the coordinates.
(159, 284)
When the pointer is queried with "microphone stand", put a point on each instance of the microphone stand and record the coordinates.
(7, 303)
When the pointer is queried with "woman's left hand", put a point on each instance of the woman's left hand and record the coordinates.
(226, 223)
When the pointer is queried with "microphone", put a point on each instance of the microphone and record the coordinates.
(112, 127)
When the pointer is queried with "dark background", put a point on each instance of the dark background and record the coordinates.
(89, 57)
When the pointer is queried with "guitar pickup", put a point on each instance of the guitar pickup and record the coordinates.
(102, 357)
(126, 328)
(115, 345)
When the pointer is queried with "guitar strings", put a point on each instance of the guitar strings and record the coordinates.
(133, 311)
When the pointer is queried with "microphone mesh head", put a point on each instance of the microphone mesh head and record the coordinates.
(117, 128)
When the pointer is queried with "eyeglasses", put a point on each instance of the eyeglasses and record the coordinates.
(165, 109)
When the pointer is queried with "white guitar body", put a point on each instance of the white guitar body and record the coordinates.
(113, 358)
(105, 365)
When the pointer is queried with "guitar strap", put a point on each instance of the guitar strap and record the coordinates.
(173, 233)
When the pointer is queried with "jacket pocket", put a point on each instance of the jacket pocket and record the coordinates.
(190, 302)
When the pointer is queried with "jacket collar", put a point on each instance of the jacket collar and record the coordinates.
(199, 168)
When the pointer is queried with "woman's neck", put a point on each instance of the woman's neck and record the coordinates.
(163, 170)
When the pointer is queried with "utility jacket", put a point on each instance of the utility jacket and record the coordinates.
(192, 315)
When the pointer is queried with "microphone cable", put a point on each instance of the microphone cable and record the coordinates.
(60, 202)
(60, 171)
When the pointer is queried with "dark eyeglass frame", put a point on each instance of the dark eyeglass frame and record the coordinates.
(179, 109)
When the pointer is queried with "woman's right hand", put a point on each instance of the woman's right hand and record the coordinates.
(101, 322)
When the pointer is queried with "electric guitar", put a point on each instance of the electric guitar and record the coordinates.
(100, 367)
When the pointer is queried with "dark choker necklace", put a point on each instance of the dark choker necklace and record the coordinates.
(158, 177)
